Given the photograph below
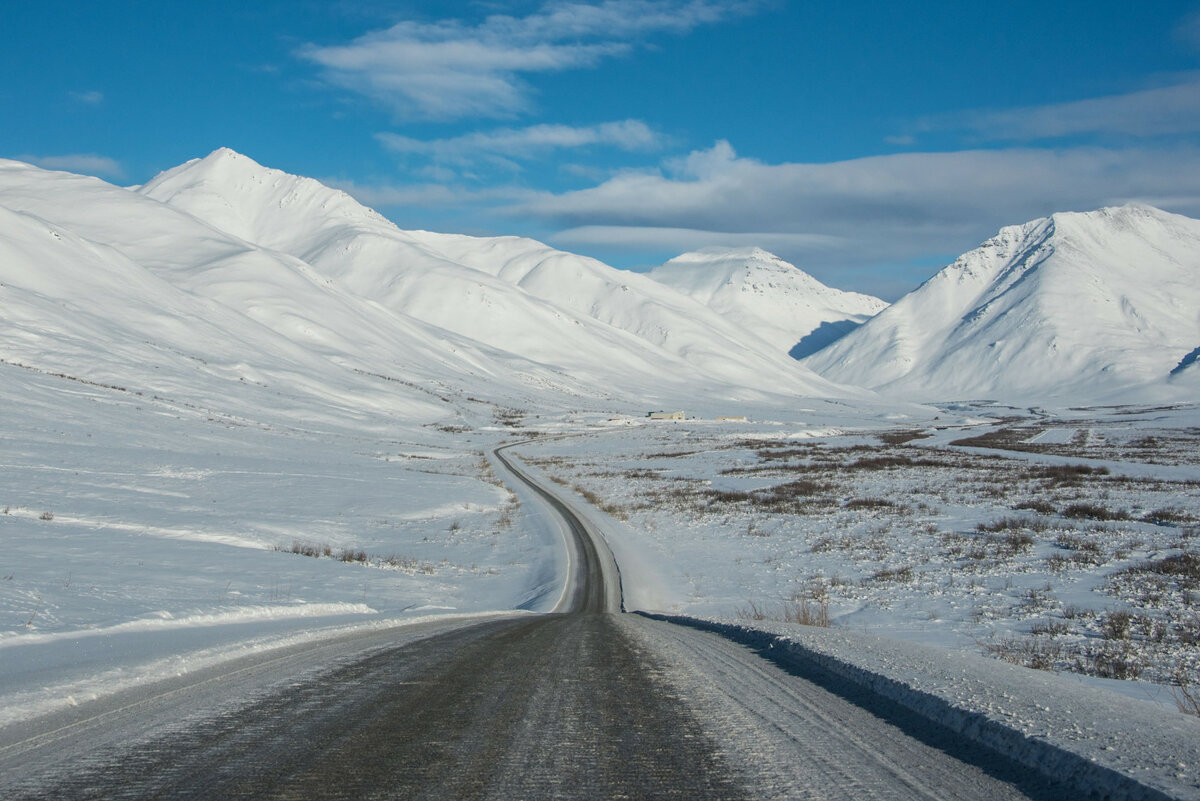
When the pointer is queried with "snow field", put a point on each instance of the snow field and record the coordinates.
(1063, 567)
(140, 536)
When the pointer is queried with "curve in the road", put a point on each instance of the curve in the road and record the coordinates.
(594, 582)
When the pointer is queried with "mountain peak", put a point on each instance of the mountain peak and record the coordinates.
(1137, 218)
(225, 152)
(222, 164)
(765, 294)
(236, 194)
(1076, 304)
(719, 253)
(701, 273)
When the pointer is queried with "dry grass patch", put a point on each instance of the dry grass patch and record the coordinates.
(1093, 511)
(903, 574)
(901, 437)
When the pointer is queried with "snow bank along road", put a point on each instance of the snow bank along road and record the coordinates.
(581, 703)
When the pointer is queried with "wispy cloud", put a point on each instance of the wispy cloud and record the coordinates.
(92, 98)
(726, 192)
(88, 163)
(1168, 110)
(430, 194)
(522, 143)
(1187, 30)
(451, 70)
(884, 209)
(852, 223)
(684, 239)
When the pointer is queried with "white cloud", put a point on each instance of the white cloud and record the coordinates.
(685, 239)
(431, 194)
(624, 17)
(450, 70)
(88, 163)
(705, 164)
(520, 143)
(884, 209)
(1160, 111)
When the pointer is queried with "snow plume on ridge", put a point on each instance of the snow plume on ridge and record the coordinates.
(762, 293)
(1077, 306)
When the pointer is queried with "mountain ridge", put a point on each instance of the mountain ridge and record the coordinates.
(438, 277)
(1093, 304)
(287, 277)
(186, 309)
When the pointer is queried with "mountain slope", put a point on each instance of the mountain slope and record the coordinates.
(341, 319)
(762, 293)
(512, 293)
(1075, 306)
(121, 290)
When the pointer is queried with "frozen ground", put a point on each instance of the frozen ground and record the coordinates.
(143, 537)
(147, 534)
(1066, 540)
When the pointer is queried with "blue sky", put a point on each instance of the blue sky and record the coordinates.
(867, 142)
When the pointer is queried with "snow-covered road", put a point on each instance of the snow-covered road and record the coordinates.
(588, 704)
(594, 579)
(564, 706)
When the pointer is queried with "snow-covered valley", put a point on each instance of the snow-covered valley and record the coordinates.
(238, 410)
(236, 405)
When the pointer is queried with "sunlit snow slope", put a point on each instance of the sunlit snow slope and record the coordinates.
(1102, 305)
(763, 294)
(605, 328)
(222, 280)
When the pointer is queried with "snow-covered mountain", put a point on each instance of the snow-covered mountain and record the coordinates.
(766, 295)
(246, 288)
(257, 288)
(1077, 306)
(512, 293)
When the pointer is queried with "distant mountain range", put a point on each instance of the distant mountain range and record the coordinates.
(239, 280)
(224, 279)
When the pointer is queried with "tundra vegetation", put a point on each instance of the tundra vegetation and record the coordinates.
(1026, 539)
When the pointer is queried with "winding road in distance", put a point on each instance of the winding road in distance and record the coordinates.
(583, 703)
(594, 586)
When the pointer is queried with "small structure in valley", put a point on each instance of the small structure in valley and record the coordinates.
(666, 415)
